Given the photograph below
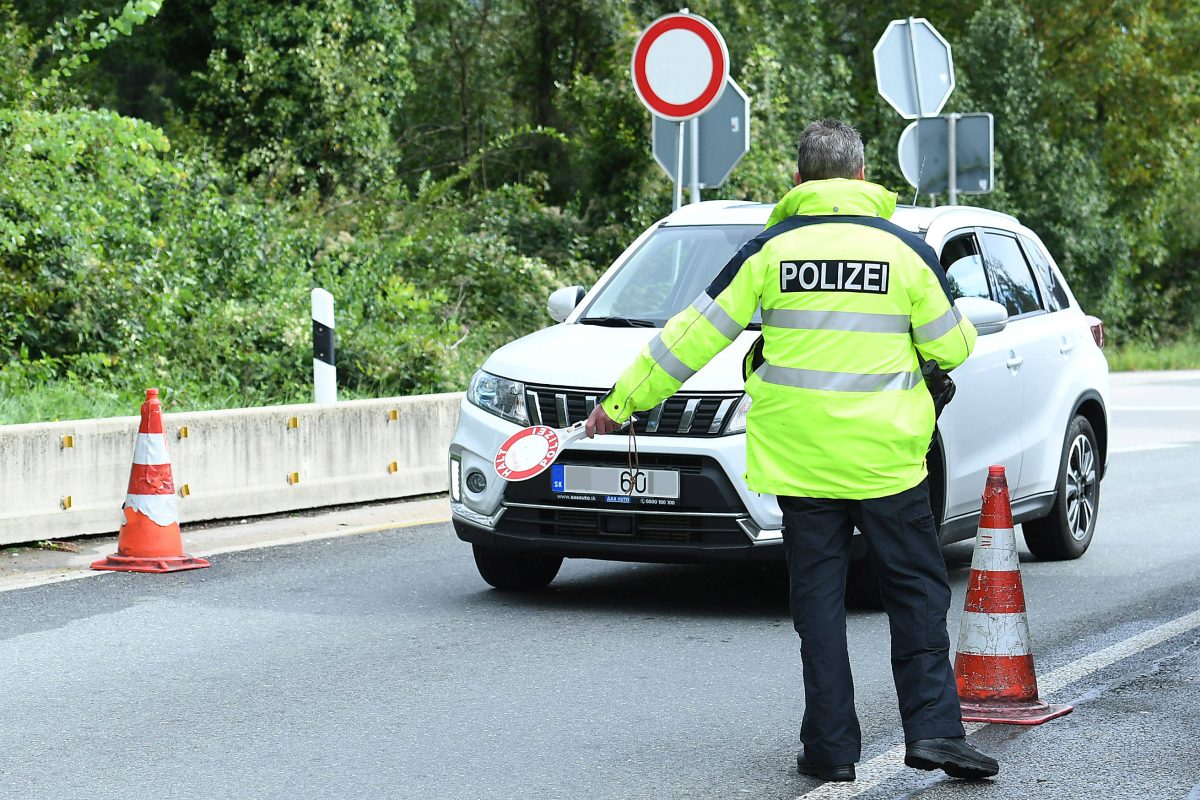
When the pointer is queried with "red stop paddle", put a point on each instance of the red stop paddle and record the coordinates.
(530, 451)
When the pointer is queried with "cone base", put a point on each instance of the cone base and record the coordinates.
(119, 563)
(1032, 713)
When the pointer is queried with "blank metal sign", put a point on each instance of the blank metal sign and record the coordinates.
(724, 139)
(927, 165)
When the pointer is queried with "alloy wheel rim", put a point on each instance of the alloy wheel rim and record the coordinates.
(1081, 487)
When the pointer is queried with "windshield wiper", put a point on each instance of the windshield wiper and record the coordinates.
(619, 322)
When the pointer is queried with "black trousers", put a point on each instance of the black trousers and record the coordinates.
(916, 593)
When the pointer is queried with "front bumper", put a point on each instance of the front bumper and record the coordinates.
(716, 516)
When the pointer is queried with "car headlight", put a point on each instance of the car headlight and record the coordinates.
(737, 420)
(499, 396)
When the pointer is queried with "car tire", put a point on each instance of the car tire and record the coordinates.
(515, 570)
(1066, 532)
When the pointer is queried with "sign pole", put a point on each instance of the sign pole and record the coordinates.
(695, 125)
(952, 156)
(916, 74)
(324, 369)
(678, 166)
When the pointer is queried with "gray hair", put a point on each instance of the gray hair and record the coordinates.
(829, 148)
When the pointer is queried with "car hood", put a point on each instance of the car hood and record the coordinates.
(593, 357)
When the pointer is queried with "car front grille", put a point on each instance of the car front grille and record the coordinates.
(680, 415)
(596, 524)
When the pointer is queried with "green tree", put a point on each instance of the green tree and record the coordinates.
(303, 94)
(441, 164)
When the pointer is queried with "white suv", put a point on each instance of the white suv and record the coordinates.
(1032, 397)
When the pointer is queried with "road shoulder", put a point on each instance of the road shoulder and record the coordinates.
(22, 566)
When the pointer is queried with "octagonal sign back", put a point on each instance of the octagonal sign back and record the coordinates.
(914, 69)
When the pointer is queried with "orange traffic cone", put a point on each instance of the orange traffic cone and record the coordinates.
(149, 540)
(994, 663)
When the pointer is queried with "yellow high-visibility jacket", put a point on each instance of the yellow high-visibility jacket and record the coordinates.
(848, 300)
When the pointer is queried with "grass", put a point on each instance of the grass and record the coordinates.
(56, 400)
(1184, 354)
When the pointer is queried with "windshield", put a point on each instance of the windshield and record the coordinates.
(667, 273)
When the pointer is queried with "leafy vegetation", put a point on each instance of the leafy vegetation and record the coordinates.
(176, 175)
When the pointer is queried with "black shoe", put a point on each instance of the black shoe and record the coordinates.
(843, 772)
(952, 755)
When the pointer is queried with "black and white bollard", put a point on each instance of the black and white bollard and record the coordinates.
(324, 371)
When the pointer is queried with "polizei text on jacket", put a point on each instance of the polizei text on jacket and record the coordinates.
(865, 277)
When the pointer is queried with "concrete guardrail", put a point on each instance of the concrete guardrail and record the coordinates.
(62, 479)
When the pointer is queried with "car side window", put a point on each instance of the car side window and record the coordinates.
(964, 267)
(1011, 278)
(1056, 296)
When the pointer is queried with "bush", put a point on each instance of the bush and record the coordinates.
(152, 270)
(303, 93)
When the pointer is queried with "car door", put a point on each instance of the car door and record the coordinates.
(1030, 339)
(981, 427)
(1055, 335)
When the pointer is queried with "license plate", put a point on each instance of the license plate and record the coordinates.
(614, 481)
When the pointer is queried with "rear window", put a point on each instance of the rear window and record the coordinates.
(1011, 278)
(1056, 295)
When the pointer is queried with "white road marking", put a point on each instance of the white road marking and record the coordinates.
(11, 583)
(316, 537)
(1141, 448)
(43, 578)
(1153, 377)
(890, 763)
(1058, 679)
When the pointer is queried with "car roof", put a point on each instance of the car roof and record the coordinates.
(913, 218)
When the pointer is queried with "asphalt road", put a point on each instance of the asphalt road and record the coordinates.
(380, 666)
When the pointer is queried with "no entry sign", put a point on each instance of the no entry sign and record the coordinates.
(680, 65)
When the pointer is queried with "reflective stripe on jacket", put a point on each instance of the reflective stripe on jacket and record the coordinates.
(848, 301)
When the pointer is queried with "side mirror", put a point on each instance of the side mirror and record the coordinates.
(986, 315)
(563, 301)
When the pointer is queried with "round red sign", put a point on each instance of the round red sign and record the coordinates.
(527, 453)
(680, 65)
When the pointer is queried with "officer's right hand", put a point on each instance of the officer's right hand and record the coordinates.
(599, 422)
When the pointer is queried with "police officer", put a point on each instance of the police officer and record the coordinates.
(839, 426)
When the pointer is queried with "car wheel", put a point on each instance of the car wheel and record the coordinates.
(514, 570)
(1067, 530)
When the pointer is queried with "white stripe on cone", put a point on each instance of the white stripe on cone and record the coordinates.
(996, 551)
(159, 507)
(151, 449)
(994, 634)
